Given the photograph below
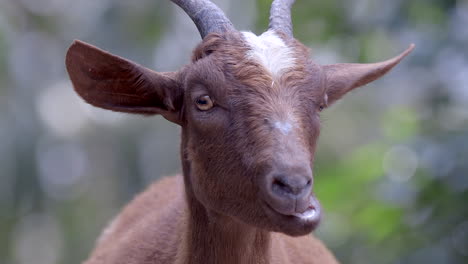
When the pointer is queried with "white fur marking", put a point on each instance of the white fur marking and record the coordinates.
(271, 51)
(284, 127)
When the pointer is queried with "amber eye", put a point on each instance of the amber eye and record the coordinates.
(204, 103)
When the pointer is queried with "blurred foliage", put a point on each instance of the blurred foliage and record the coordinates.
(391, 168)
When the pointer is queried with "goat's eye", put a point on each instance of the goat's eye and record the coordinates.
(204, 103)
(321, 107)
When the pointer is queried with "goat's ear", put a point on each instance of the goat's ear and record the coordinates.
(344, 77)
(110, 82)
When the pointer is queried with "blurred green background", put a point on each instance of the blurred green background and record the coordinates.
(392, 162)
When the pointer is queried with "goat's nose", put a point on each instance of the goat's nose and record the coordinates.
(291, 186)
(288, 190)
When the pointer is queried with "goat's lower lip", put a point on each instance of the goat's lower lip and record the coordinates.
(311, 214)
(296, 224)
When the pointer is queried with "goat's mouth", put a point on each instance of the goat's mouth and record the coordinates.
(296, 223)
(310, 214)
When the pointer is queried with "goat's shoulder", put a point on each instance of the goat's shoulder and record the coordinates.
(146, 228)
(152, 202)
(305, 249)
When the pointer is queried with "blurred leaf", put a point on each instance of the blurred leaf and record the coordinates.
(400, 124)
(378, 220)
(426, 12)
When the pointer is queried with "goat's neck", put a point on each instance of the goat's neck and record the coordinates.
(213, 238)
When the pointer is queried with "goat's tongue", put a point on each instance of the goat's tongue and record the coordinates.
(307, 214)
(311, 212)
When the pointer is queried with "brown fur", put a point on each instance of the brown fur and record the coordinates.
(246, 183)
(144, 233)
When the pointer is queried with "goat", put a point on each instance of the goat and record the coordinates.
(249, 110)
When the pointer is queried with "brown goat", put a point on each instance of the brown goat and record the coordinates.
(249, 110)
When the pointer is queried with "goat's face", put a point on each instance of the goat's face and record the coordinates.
(251, 115)
(249, 108)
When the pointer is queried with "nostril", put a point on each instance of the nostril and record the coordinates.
(291, 186)
(280, 186)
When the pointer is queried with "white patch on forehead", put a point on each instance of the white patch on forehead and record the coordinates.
(284, 127)
(270, 51)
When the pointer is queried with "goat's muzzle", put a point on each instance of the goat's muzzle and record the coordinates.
(288, 195)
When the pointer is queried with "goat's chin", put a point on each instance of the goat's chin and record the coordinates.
(298, 229)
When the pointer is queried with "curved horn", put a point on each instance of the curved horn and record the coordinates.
(207, 16)
(280, 16)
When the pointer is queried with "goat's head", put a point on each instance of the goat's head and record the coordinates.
(249, 107)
